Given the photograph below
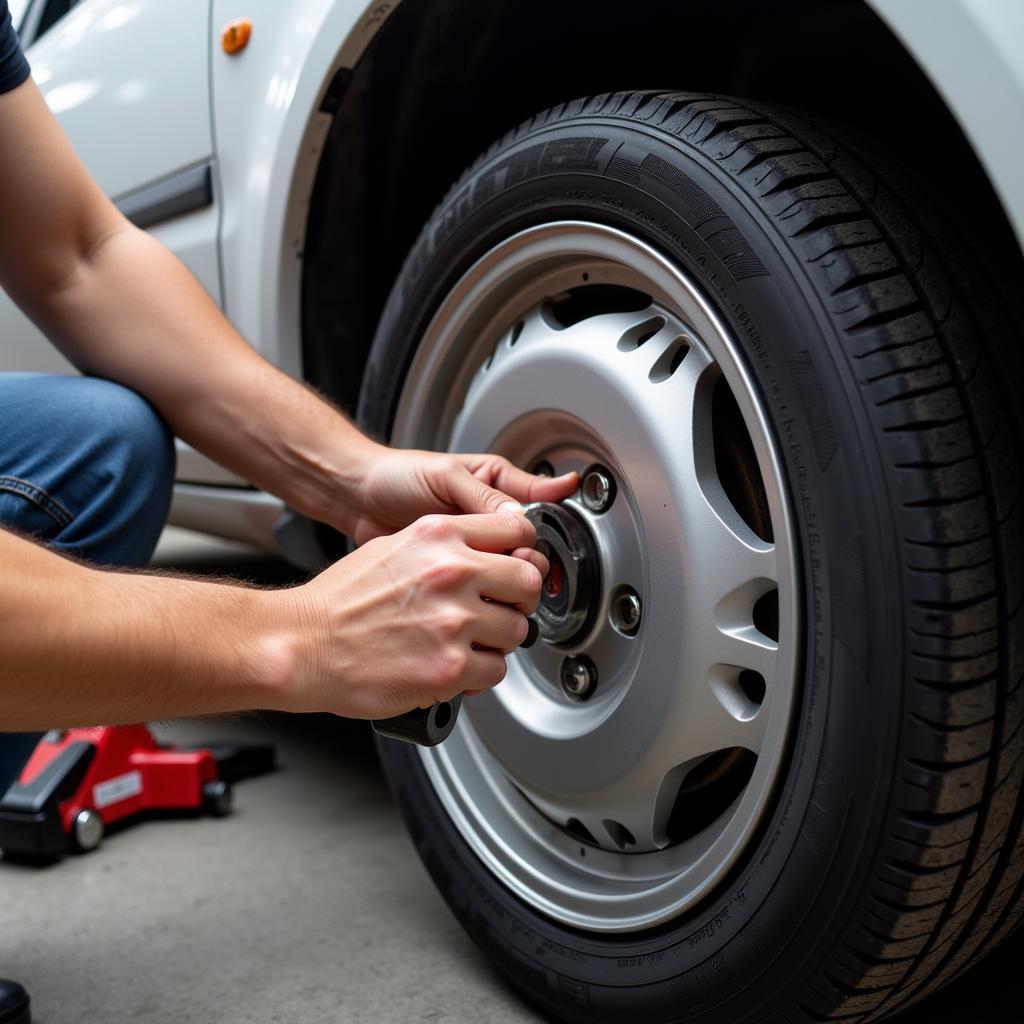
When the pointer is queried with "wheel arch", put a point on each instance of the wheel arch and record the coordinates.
(411, 118)
(271, 114)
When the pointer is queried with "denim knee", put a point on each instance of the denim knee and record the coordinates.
(117, 472)
(133, 468)
(132, 433)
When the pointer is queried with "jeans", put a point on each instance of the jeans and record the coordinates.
(86, 467)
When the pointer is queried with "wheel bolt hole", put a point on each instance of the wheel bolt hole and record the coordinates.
(625, 610)
(578, 677)
(543, 468)
(598, 489)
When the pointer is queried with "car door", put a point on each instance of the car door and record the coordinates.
(129, 82)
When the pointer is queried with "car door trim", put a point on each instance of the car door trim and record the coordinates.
(188, 190)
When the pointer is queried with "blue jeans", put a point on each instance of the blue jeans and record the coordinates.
(86, 467)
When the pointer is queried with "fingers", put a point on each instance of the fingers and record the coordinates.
(503, 532)
(528, 487)
(483, 670)
(534, 557)
(511, 581)
(487, 482)
(499, 627)
(471, 494)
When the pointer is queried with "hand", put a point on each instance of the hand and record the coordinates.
(413, 618)
(399, 486)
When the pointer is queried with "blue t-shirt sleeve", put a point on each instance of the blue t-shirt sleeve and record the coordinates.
(13, 66)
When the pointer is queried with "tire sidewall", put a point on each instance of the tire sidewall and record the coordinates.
(788, 899)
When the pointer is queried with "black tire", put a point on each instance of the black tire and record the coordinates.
(893, 856)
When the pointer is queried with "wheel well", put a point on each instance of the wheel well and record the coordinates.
(446, 78)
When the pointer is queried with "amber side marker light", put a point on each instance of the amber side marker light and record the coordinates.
(234, 36)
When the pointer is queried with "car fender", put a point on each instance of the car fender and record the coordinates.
(971, 53)
(268, 134)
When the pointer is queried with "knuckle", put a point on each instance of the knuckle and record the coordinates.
(530, 577)
(450, 623)
(522, 629)
(446, 573)
(451, 666)
(527, 531)
(542, 564)
(512, 525)
(434, 527)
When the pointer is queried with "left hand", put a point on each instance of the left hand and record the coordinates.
(399, 486)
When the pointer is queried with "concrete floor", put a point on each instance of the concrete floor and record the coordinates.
(306, 904)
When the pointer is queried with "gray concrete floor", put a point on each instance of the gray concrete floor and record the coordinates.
(306, 904)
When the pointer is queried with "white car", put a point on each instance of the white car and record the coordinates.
(755, 270)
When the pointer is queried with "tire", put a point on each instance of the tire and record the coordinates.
(888, 854)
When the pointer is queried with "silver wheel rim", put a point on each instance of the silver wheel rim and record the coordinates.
(576, 806)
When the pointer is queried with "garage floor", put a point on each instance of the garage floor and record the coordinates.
(307, 904)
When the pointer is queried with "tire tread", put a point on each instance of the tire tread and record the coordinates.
(921, 364)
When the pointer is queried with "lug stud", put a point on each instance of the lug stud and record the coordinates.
(579, 676)
(625, 610)
(598, 489)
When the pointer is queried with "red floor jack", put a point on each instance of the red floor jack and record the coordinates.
(79, 782)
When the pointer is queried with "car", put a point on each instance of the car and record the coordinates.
(754, 271)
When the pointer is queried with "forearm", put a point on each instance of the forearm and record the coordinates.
(133, 313)
(80, 646)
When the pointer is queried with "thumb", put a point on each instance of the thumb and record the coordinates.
(470, 494)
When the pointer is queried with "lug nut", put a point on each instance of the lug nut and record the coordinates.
(598, 489)
(579, 676)
(625, 610)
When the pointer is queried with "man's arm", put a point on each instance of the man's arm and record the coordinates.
(121, 306)
(83, 646)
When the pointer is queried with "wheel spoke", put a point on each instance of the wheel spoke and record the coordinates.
(745, 647)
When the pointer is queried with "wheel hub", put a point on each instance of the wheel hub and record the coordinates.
(571, 591)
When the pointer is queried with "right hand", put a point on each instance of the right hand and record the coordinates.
(415, 617)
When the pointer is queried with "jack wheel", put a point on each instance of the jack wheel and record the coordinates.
(218, 798)
(87, 831)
